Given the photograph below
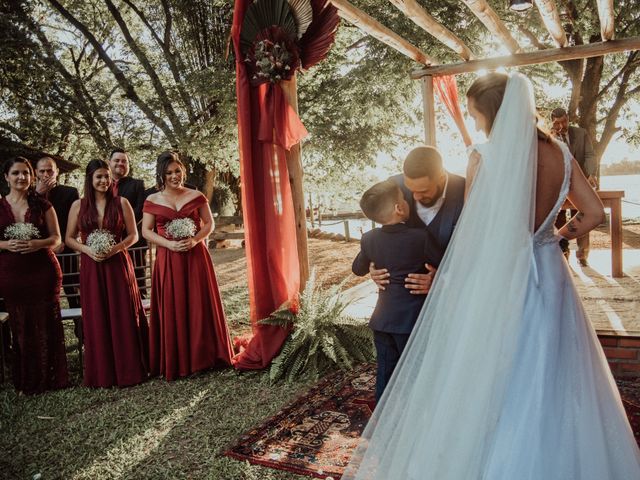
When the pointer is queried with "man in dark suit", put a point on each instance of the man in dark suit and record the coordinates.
(402, 250)
(435, 199)
(577, 139)
(133, 190)
(61, 197)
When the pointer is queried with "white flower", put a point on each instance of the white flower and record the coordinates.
(101, 241)
(21, 231)
(181, 228)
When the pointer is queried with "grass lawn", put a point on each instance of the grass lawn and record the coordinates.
(151, 431)
(156, 430)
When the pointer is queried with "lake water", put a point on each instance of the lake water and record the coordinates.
(631, 186)
(630, 205)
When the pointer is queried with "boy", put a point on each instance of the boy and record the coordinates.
(402, 250)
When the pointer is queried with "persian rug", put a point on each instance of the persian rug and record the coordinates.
(316, 434)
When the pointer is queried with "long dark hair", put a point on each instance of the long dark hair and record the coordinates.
(34, 201)
(164, 160)
(88, 211)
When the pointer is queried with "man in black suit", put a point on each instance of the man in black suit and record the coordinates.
(61, 197)
(133, 190)
(577, 139)
(435, 199)
(402, 250)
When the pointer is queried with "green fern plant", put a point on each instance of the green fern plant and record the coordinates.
(322, 338)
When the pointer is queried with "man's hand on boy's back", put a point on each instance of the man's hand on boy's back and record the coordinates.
(418, 283)
(379, 276)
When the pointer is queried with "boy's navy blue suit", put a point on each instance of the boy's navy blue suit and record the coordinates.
(401, 250)
(397, 310)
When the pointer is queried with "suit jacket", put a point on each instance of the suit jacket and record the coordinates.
(582, 150)
(401, 250)
(442, 226)
(62, 197)
(133, 190)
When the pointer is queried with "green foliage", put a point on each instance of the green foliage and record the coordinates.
(323, 337)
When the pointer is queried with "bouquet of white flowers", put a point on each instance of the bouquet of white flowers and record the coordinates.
(21, 231)
(101, 241)
(181, 228)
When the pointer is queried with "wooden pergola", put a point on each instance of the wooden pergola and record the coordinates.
(490, 19)
(468, 63)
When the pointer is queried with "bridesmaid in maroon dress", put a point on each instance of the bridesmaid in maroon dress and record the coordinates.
(30, 281)
(113, 319)
(188, 331)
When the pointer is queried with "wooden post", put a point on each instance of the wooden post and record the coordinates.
(294, 165)
(347, 236)
(428, 109)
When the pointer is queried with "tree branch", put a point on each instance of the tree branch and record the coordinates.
(171, 57)
(128, 88)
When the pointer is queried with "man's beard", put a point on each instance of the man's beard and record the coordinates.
(435, 199)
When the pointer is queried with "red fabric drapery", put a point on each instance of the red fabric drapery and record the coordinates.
(267, 126)
(447, 90)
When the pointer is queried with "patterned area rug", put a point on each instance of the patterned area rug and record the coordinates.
(316, 434)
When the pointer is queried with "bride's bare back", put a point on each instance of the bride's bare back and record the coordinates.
(549, 180)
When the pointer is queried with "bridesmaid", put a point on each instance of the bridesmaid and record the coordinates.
(30, 281)
(113, 319)
(188, 332)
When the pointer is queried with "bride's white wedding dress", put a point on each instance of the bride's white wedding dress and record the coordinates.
(504, 377)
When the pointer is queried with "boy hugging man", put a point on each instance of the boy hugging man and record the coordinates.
(401, 250)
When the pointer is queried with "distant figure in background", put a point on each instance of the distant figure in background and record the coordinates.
(61, 197)
(133, 190)
(30, 280)
(188, 332)
(577, 139)
(115, 325)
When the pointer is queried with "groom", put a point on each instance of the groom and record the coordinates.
(435, 199)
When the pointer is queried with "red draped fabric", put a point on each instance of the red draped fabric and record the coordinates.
(267, 126)
(447, 90)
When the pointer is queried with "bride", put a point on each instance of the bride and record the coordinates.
(503, 377)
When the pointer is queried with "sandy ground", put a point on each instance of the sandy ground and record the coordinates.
(612, 304)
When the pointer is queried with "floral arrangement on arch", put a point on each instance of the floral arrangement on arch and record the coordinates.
(278, 37)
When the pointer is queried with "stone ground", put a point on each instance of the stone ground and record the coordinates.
(612, 303)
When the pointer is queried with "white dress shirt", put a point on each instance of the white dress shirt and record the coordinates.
(427, 214)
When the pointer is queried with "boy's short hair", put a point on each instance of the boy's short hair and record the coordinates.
(379, 201)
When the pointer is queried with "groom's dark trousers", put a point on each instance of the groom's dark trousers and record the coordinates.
(401, 250)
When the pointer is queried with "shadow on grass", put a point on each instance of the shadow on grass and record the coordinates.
(150, 431)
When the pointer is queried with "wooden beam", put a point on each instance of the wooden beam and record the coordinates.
(294, 165)
(491, 20)
(372, 27)
(607, 23)
(532, 58)
(551, 18)
(419, 16)
(429, 111)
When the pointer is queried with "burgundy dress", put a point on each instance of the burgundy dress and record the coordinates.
(115, 326)
(30, 285)
(188, 331)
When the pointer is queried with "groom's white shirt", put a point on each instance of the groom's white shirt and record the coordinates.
(427, 214)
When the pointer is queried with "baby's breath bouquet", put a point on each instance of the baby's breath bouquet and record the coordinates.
(101, 241)
(21, 231)
(181, 228)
